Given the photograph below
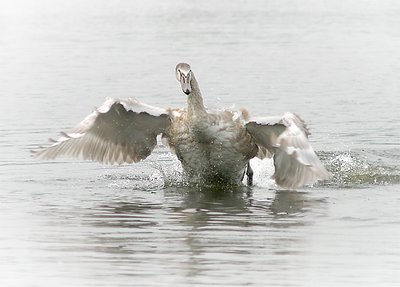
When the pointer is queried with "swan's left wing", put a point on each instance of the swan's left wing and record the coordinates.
(286, 138)
(117, 132)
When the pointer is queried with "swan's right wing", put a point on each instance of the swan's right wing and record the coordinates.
(286, 138)
(117, 132)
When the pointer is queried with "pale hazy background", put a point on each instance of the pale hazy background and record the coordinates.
(74, 223)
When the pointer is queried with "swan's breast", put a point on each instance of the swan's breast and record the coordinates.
(216, 144)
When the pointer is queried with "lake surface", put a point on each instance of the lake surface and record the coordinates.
(76, 223)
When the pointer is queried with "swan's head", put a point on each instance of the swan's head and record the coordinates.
(184, 76)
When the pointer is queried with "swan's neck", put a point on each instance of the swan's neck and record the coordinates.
(195, 100)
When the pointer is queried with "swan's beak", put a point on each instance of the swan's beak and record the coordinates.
(185, 84)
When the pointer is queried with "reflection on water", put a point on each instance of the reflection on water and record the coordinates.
(185, 235)
(198, 231)
(197, 213)
(208, 207)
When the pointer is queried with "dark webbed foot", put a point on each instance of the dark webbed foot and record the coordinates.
(249, 173)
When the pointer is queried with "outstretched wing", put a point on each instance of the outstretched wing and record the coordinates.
(117, 132)
(286, 138)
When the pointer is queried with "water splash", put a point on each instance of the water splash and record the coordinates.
(263, 171)
(349, 169)
(353, 169)
(144, 180)
(170, 168)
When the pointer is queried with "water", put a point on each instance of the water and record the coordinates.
(74, 223)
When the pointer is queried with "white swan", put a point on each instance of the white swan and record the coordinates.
(212, 146)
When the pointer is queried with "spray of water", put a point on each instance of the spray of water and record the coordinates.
(349, 170)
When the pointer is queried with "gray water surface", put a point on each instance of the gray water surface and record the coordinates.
(75, 223)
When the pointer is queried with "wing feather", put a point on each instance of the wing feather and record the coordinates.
(286, 137)
(118, 131)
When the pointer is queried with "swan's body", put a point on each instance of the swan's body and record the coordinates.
(213, 147)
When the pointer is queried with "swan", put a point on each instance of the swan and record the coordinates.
(213, 147)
